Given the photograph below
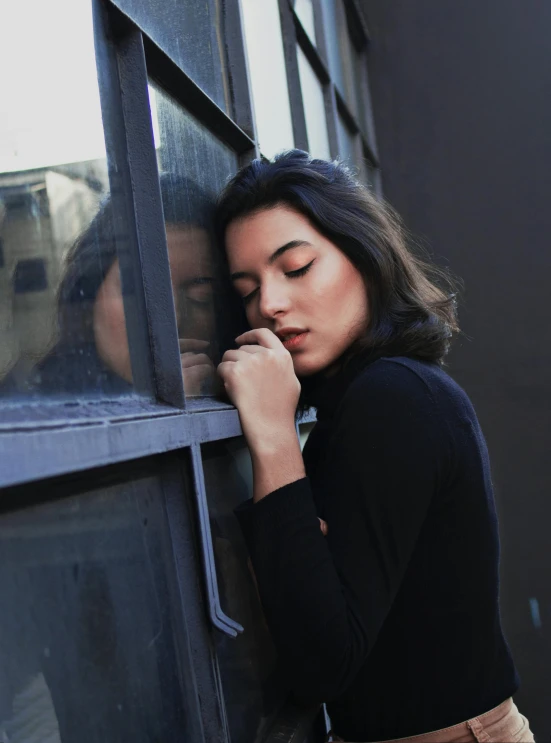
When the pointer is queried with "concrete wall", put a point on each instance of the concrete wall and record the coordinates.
(462, 102)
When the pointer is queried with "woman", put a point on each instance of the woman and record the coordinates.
(392, 618)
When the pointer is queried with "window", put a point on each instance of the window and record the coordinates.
(128, 609)
(193, 168)
(252, 690)
(53, 181)
(176, 26)
(314, 109)
(305, 12)
(267, 74)
(89, 630)
(340, 49)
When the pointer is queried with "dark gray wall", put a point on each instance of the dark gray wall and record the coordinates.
(462, 102)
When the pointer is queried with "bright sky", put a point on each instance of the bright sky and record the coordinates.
(49, 101)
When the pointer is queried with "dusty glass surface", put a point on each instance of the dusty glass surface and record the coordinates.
(305, 12)
(58, 328)
(268, 78)
(314, 108)
(88, 633)
(349, 61)
(252, 689)
(372, 176)
(194, 166)
(347, 144)
(351, 152)
(192, 34)
(346, 65)
(332, 18)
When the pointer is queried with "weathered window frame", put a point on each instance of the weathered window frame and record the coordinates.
(47, 444)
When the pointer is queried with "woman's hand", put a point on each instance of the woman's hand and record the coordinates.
(261, 382)
(197, 368)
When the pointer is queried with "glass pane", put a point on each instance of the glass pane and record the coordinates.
(314, 108)
(367, 121)
(190, 33)
(359, 62)
(305, 12)
(372, 177)
(347, 145)
(88, 635)
(62, 317)
(194, 166)
(268, 76)
(331, 22)
(349, 62)
(252, 691)
(347, 66)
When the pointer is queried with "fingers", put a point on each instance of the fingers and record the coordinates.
(323, 526)
(195, 378)
(192, 344)
(262, 336)
(195, 359)
(234, 354)
(197, 372)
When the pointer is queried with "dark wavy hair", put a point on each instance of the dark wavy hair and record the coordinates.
(412, 302)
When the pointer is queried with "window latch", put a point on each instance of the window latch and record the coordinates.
(217, 616)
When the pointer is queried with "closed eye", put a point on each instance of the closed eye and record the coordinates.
(291, 274)
(300, 271)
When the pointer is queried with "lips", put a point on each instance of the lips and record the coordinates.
(285, 334)
(292, 342)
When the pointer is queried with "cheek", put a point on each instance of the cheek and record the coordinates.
(109, 321)
(338, 302)
(338, 288)
(110, 332)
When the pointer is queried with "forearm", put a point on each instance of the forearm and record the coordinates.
(319, 647)
(277, 461)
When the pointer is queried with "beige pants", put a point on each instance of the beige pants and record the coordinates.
(502, 724)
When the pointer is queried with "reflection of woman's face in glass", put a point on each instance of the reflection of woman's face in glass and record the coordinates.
(192, 274)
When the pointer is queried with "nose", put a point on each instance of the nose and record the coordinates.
(274, 299)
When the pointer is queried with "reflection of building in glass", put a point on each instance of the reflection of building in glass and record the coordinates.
(42, 213)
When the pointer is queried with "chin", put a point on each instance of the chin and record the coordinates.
(308, 367)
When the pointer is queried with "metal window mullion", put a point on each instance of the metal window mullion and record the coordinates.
(238, 70)
(53, 452)
(197, 646)
(136, 160)
(190, 96)
(357, 18)
(331, 114)
(311, 52)
(321, 29)
(288, 32)
(366, 95)
(344, 110)
(120, 196)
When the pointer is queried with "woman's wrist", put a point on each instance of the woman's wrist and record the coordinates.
(277, 461)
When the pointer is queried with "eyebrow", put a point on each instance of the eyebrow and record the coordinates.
(199, 280)
(275, 255)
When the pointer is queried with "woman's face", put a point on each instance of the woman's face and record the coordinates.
(293, 280)
(192, 274)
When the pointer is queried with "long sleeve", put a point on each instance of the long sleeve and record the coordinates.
(326, 598)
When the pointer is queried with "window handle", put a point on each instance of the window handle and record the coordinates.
(219, 619)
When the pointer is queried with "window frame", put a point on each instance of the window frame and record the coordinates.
(318, 57)
(47, 443)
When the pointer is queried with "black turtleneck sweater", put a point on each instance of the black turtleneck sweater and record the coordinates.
(393, 618)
